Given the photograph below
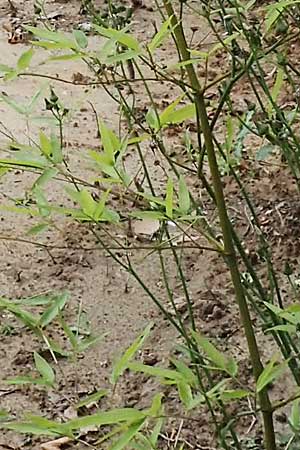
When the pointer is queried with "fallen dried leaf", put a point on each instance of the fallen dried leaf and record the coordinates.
(56, 444)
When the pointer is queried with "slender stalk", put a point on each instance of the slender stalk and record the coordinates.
(231, 259)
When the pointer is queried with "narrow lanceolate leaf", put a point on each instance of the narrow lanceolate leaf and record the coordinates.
(276, 88)
(9, 101)
(58, 303)
(185, 394)
(156, 371)
(126, 437)
(183, 197)
(221, 361)
(156, 406)
(181, 114)
(271, 372)
(161, 35)
(45, 145)
(25, 59)
(294, 419)
(80, 38)
(113, 416)
(28, 428)
(44, 369)
(110, 142)
(122, 363)
(39, 228)
(169, 198)
(119, 36)
(46, 176)
(93, 398)
(187, 373)
(230, 395)
(61, 39)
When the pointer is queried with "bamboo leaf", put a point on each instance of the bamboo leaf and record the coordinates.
(128, 435)
(58, 303)
(119, 36)
(185, 394)
(25, 59)
(270, 373)
(122, 363)
(93, 398)
(111, 417)
(227, 364)
(44, 369)
(183, 197)
(59, 38)
(169, 198)
(80, 38)
(156, 371)
(164, 31)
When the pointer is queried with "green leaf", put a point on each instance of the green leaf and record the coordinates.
(156, 371)
(27, 318)
(25, 59)
(36, 96)
(270, 373)
(4, 68)
(284, 327)
(44, 369)
(101, 206)
(180, 115)
(57, 155)
(161, 35)
(24, 380)
(111, 417)
(225, 42)
(46, 176)
(276, 88)
(121, 57)
(169, 198)
(58, 304)
(39, 228)
(122, 363)
(148, 215)
(227, 364)
(294, 418)
(185, 394)
(119, 36)
(183, 197)
(3, 415)
(60, 39)
(45, 144)
(156, 406)
(128, 435)
(80, 38)
(110, 142)
(41, 201)
(187, 373)
(35, 300)
(156, 432)
(264, 152)
(85, 200)
(229, 395)
(39, 425)
(93, 398)
(28, 428)
(89, 342)
(275, 10)
(152, 119)
(9, 101)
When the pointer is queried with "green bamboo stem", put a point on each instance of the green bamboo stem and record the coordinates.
(229, 250)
